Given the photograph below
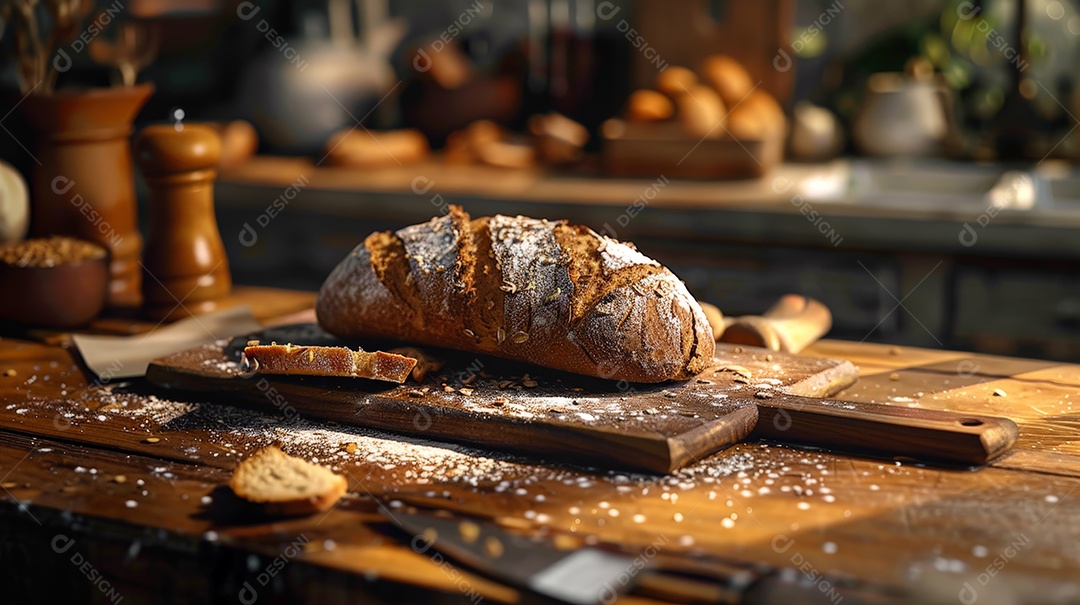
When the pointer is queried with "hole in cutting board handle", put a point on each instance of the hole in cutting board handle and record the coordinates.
(970, 422)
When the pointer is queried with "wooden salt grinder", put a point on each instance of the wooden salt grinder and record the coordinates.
(185, 268)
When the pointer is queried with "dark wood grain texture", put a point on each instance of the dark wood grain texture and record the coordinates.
(524, 409)
(559, 416)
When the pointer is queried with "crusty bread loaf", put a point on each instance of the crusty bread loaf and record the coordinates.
(548, 293)
(286, 485)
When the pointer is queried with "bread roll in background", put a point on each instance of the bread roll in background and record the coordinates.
(766, 105)
(458, 149)
(675, 80)
(701, 112)
(507, 154)
(758, 116)
(239, 141)
(485, 142)
(648, 106)
(357, 148)
(728, 77)
(745, 122)
(559, 140)
(543, 292)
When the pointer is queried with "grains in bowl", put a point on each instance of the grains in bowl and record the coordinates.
(49, 252)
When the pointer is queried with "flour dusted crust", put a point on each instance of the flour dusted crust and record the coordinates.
(539, 291)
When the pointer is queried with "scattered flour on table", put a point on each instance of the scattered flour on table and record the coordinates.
(387, 464)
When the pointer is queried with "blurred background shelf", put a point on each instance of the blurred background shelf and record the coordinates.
(739, 244)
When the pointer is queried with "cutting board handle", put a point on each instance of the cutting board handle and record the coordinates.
(888, 431)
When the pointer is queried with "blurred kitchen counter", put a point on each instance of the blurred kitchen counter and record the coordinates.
(859, 236)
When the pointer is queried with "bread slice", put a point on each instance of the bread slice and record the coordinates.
(286, 485)
(329, 361)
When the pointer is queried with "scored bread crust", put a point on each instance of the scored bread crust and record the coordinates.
(539, 291)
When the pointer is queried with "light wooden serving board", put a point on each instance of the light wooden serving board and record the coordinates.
(566, 417)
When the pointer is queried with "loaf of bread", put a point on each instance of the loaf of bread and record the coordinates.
(539, 291)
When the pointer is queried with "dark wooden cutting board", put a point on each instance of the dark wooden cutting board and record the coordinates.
(523, 409)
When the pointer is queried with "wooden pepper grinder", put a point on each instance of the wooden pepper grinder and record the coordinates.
(186, 271)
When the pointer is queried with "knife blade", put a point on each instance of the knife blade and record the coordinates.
(584, 576)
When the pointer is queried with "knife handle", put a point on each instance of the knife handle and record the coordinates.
(883, 430)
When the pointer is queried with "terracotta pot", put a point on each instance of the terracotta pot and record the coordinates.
(67, 295)
(84, 184)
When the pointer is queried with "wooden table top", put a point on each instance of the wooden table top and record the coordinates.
(110, 490)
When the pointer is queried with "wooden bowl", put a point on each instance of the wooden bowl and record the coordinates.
(65, 294)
